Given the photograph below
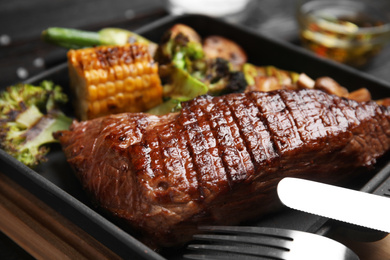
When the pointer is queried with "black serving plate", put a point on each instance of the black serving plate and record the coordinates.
(53, 182)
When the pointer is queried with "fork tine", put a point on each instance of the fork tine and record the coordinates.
(230, 250)
(274, 242)
(284, 234)
(224, 257)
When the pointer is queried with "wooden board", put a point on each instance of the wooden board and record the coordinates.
(41, 231)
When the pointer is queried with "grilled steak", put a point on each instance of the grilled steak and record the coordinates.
(219, 160)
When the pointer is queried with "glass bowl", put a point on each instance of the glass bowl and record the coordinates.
(350, 32)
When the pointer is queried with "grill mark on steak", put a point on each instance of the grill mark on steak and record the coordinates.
(186, 159)
(184, 146)
(337, 122)
(375, 132)
(266, 148)
(355, 114)
(238, 144)
(220, 125)
(235, 108)
(385, 125)
(306, 116)
(187, 123)
(289, 101)
(214, 147)
(173, 184)
(348, 112)
(323, 108)
(314, 121)
(175, 165)
(251, 131)
(386, 122)
(211, 178)
(279, 121)
(207, 119)
(142, 166)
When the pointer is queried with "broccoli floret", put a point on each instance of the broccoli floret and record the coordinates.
(178, 58)
(28, 116)
(180, 52)
(180, 87)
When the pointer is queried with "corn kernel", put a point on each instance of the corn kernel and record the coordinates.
(94, 77)
(110, 87)
(103, 106)
(111, 74)
(120, 98)
(146, 96)
(126, 71)
(118, 71)
(101, 91)
(92, 93)
(146, 80)
(140, 68)
(120, 86)
(111, 103)
(129, 98)
(138, 82)
(102, 76)
(146, 66)
(154, 80)
(95, 108)
(129, 85)
(132, 70)
(154, 67)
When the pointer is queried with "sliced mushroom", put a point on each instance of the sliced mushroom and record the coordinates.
(192, 35)
(305, 81)
(265, 84)
(220, 47)
(360, 95)
(330, 86)
(384, 102)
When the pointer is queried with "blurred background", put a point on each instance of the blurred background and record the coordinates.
(23, 54)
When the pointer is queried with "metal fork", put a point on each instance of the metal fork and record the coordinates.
(240, 242)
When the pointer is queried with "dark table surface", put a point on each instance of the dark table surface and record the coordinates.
(23, 54)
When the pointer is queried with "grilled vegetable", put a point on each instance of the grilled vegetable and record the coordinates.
(221, 79)
(181, 48)
(28, 117)
(330, 86)
(76, 39)
(189, 32)
(270, 78)
(169, 106)
(266, 78)
(219, 47)
(182, 86)
(360, 95)
(113, 79)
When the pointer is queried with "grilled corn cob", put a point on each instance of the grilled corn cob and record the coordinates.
(113, 79)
